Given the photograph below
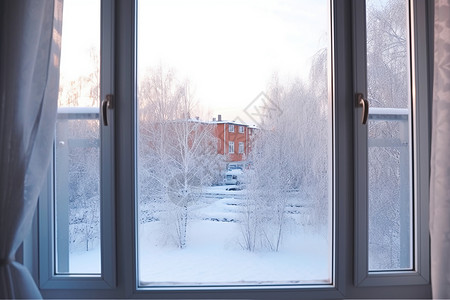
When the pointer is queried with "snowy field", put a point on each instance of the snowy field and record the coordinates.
(215, 257)
(214, 254)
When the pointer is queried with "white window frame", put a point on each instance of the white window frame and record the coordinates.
(230, 128)
(48, 278)
(241, 129)
(350, 270)
(420, 274)
(231, 147)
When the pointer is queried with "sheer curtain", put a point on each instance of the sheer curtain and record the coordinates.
(29, 79)
(440, 155)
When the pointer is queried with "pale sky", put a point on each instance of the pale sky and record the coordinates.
(228, 49)
(81, 32)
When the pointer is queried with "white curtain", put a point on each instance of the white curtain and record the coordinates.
(440, 155)
(29, 78)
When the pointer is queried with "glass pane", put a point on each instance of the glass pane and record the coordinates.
(77, 144)
(388, 75)
(234, 143)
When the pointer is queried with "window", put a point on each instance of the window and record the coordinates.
(188, 217)
(388, 167)
(78, 201)
(156, 183)
(241, 147)
(230, 147)
(77, 149)
(389, 134)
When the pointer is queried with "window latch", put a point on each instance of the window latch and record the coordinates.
(360, 101)
(106, 103)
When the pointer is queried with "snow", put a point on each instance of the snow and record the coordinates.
(78, 110)
(214, 255)
(234, 172)
(85, 262)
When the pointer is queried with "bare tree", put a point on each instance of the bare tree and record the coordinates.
(79, 149)
(267, 193)
(177, 153)
(77, 153)
(290, 159)
(389, 87)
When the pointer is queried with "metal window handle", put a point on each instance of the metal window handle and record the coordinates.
(106, 103)
(360, 101)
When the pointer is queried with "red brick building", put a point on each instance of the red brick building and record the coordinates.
(234, 139)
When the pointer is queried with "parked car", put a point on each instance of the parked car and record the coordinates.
(234, 176)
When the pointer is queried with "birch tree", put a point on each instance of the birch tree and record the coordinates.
(177, 153)
(389, 87)
(290, 159)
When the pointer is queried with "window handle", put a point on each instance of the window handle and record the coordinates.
(106, 103)
(360, 101)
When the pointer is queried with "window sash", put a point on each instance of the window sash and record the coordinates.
(420, 122)
(48, 279)
(231, 147)
(241, 147)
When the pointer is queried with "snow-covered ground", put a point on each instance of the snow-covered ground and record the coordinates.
(214, 254)
(85, 262)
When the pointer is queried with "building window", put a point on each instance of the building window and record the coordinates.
(241, 129)
(230, 128)
(230, 147)
(241, 147)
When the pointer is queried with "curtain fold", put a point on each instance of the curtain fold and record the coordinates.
(440, 155)
(29, 80)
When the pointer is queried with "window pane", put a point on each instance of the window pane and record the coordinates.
(390, 183)
(208, 213)
(77, 143)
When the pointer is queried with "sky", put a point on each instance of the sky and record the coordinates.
(227, 49)
(80, 34)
